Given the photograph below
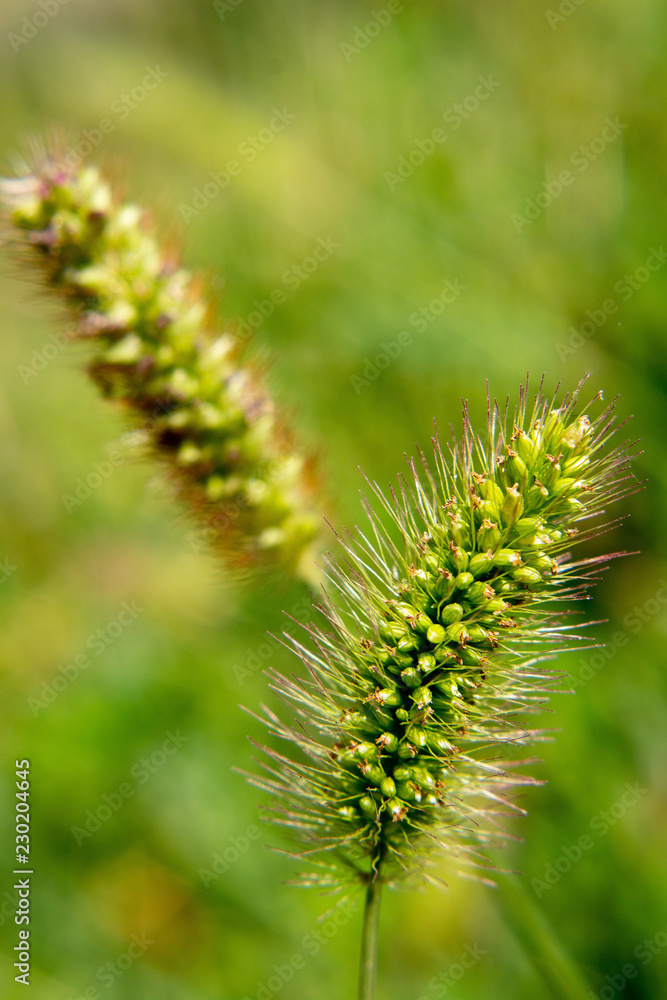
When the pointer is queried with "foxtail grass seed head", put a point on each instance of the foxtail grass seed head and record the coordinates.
(439, 630)
(200, 402)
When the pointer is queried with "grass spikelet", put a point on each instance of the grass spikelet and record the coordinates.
(442, 620)
(199, 400)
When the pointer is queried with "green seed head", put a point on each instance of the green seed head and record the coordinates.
(199, 400)
(469, 666)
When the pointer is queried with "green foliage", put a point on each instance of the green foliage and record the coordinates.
(196, 652)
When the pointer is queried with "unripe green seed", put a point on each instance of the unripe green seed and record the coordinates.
(422, 578)
(421, 696)
(515, 466)
(575, 433)
(368, 806)
(459, 558)
(574, 466)
(423, 778)
(563, 486)
(400, 660)
(406, 791)
(543, 564)
(372, 773)
(387, 787)
(417, 736)
(389, 697)
(444, 586)
(439, 745)
(527, 575)
(406, 751)
(477, 634)
(464, 580)
(391, 632)
(526, 448)
(458, 529)
(490, 490)
(387, 742)
(436, 634)
(451, 613)
(426, 662)
(471, 657)
(423, 623)
(431, 562)
(404, 610)
(366, 751)
(448, 687)
(411, 677)
(457, 632)
(479, 593)
(488, 536)
(444, 656)
(481, 563)
(487, 510)
(507, 557)
(512, 506)
(528, 526)
(536, 496)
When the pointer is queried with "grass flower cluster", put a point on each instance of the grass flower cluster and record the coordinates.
(200, 403)
(436, 649)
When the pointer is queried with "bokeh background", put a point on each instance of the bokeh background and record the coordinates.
(521, 92)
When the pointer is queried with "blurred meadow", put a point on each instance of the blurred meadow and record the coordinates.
(442, 193)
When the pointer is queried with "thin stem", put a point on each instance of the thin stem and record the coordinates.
(369, 937)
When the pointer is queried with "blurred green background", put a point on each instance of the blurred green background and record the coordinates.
(544, 274)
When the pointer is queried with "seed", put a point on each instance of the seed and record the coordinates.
(451, 613)
(436, 634)
(387, 787)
